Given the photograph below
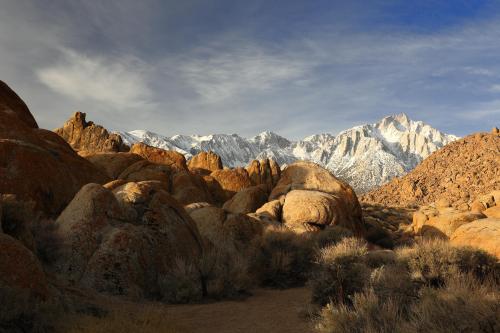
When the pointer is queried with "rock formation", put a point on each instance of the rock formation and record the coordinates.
(113, 164)
(86, 136)
(37, 164)
(264, 172)
(458, 173)
(247, 200)
(123, 242)
(205, 163)
(160, 156)
(230, 181)
(312, 198)
(475, 227)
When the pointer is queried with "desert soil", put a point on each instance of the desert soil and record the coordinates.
(267, 310)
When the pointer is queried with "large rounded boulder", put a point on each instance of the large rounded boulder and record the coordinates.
(483, 234)
(314, 198)
(247, 200)
(230, 181)
(205, 163)
(125, 241)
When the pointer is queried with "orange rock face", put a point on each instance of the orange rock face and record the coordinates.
(231, 181)
(458, 172)
(37, 164)
(264, 172)
(205, 163)
(87, 136)
(160, 156)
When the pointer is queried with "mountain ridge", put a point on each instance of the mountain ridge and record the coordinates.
(366, 156)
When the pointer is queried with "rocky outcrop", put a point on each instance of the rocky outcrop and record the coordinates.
(125, 241)
(113, 164)
(311, 198)
(37, 164)
(266, 172)
(160, 156)
(478, 227)
(86, 136)
(205, 163)
(230, 181)
(459, 172)
(483, 234)
(247, 200)
(441, 222)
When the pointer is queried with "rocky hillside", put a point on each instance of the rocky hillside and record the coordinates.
(458, 172)
(365, 156)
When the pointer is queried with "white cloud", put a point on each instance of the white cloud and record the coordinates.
(495, 88)
(225, 74)
(118, 82)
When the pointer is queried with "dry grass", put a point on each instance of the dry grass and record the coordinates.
(282, 258)
(341, 272)
(430, 287)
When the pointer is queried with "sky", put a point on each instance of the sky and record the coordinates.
(293, 67)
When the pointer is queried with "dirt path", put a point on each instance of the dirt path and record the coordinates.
(265, 311)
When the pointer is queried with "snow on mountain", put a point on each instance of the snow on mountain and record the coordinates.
(366, 156)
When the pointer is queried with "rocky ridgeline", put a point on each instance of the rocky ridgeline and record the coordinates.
(459, 172)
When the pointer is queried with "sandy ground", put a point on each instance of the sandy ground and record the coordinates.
(265, 311)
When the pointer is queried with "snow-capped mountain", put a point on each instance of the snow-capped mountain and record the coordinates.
(365, 156)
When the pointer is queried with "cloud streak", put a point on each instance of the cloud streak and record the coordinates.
(120, 83)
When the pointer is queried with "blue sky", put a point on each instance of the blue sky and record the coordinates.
(293, 67)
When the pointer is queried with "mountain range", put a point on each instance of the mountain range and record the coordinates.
(365, 156)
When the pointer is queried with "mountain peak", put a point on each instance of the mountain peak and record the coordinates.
(365, 156)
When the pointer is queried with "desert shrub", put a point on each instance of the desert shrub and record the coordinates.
(182, 284)
(393, 283)
(367, 314)
(340, 272)
(378, 258)
(225, 270)
(433, 261)
(331, 235)
(282, 258)
(465, 305)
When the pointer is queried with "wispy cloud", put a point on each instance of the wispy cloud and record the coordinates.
(117, 82)
(218, 74)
